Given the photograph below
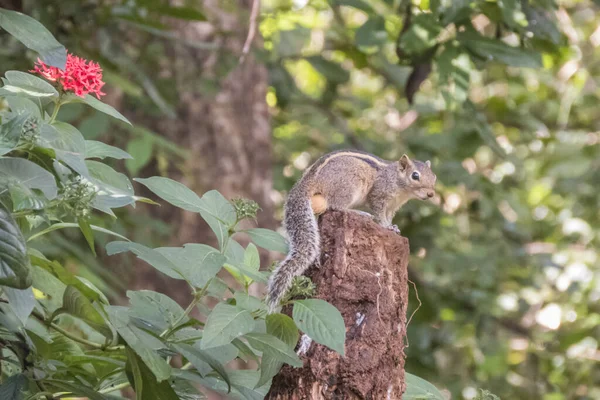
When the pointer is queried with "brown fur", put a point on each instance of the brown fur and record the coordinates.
(339, 181)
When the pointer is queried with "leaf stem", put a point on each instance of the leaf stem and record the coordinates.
(55, 111)
(76, 338)
(41, 395)
(197, 297)
(114, 388)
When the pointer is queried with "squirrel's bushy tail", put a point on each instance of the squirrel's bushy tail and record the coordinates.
(303, 233)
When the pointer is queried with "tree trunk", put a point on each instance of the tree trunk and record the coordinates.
(227, 132)
(364, 274)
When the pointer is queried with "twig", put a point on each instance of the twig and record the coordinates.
(251, 29)
(415, 311)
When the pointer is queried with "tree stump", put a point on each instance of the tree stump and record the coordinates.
(364, 274)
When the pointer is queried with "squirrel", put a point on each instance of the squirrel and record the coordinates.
(339, 181)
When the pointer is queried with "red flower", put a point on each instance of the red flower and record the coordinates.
(79, 76)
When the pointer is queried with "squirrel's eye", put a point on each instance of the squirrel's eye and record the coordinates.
(415, 176)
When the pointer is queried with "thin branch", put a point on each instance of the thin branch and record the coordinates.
(251, 30)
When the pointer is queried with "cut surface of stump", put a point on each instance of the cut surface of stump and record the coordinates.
(364, 275)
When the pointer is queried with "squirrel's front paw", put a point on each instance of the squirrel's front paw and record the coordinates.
(394, 228)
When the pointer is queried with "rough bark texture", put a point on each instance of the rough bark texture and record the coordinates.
(364, 274)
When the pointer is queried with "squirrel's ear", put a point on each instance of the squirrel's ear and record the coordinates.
(404, 162)
(428, 163)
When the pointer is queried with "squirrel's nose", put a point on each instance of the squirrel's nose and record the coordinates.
(430, 194)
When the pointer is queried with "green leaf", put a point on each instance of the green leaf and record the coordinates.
(95, 125)
(283, 327)
(244, 275)
(144, 344)
(14, 262)
(512, 14)
(197, 263)
(76, 388)
(24, 198)
(419, 389)
(248, 302)
(23, 105)
(455, 69)
(493, 49)
(371, 33)
(134, 364)
(174, 192)
(251, 257)
(114, 189)
(34, 36)
(86, 229)
(224, 324)
(8, 90)
(269, 367)
(199, 358)
(95, 149)
(100, 106)
(220, 215)
(274, 348)
(242, 382)
(186, 390)
(322, 322)
(10, 132)
(76, 304)
(27, 174)
(151, 256)
(21, 301)
(217, 288)
(268, 239)
(246, 353)
(31, 83)
(332, 71)
(12, 388)
(221, 354)
(158, 309)
(141, 151)
(237, 259)
(290, 42)
(542, 23)
(247, 273)
(145, 383)
(68, 144)
(421, 35)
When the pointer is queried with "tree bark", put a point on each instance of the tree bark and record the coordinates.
(364, 274)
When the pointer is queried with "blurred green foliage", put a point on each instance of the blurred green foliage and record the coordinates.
(504, 102)
(506, 267)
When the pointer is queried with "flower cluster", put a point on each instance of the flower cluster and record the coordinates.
(245, 208)
(79, 76)
(77, 195)
(31, 130)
